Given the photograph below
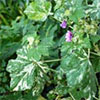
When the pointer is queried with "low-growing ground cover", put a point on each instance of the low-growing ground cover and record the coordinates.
(49, 49)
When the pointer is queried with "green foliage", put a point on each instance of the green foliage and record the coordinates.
(4, 86)
(94, 10)
(27, 71)
(10, 37)
(78, 70)
(65, 8)
(10, 9)
(36, 60)
(20, 96)
(38, 10)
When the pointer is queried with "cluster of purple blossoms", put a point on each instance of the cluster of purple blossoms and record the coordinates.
(69, 34)
(63, 24)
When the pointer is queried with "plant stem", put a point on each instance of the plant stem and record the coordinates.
(50, 69)
(95, 98)
(54, 18)
(34, 61)
(54, 60)
(4, 20)
(42, 68)
(86, 2)
(72, 96)
(71, 27)
(88, 53)
(58, 97)
(95, 54)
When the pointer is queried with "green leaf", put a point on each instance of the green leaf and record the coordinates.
(75, 10)
(87, 88)
(43, 49)
(25, 71)
(51, 95)
(96, 63)
(86, 43)
(61, 89)
(94, 10)
(14, 96)
(69, 98)
(77, 14)
(19, 96)
(80, 76)
(38, 10)
(8, 50)
(11, 36)
(99, 92)
(95, 38)
(41, 98)
(59, 14)
(58, 3)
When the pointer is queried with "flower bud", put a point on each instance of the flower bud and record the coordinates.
(63, 24)
(69, 36)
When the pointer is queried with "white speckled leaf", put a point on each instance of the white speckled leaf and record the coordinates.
(38, 10)
(74, 7)
(94, 9)
(80, 76)
(22, 71)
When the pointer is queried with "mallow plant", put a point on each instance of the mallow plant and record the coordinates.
(52, 51)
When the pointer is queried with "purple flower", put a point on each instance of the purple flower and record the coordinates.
(63, 24)
(69, 36)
